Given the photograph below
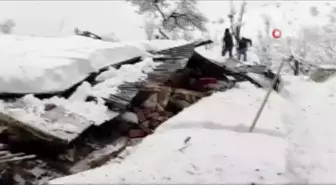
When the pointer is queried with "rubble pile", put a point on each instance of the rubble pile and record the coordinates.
(135, 110)
(163, 103)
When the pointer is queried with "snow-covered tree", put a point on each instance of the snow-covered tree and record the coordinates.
(236, 22)
(263, 49)
(221, 21)
(314, 11)
(187, 35)
(173, 15)
(7, 26)
(150, 29)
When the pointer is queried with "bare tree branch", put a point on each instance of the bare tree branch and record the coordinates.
(185, 16)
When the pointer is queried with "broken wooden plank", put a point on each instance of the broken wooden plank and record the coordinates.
(20, 158)
(101, 156)
(48, 128)
(54, 125)
(202, 43)
(9, 156)
(184, 51)
(4, 153)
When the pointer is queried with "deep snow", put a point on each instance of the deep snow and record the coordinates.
(218, 151)
(54, 64)
(294, 141)
(310, 146)
(45, 65)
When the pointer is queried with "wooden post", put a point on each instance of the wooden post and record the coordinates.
(266, 98)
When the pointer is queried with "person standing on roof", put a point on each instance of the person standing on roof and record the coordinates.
(242, 47)
(227, 43)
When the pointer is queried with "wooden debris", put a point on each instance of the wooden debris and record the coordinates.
(165, 94)
(55, 125)
(161, 105)
(6, 157)
(136, 133)
(101, 156)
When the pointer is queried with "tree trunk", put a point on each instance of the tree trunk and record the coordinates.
(296, 68)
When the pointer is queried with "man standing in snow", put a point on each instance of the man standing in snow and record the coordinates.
(242, 47)
(227, 43)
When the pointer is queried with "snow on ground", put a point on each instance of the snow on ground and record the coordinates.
(218, 151)
(294, 141)
(312, 130)
(215, 54)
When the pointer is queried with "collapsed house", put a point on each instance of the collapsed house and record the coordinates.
(42, 132)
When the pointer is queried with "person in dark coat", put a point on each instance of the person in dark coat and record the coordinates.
(227, 43)
(242, 47)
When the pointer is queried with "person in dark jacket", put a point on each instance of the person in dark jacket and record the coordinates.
(227, 43)
(242, 47)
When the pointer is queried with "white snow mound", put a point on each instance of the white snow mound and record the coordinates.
(45, 65)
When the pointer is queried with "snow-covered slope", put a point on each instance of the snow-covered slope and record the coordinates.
(211, 145)
(218, 151)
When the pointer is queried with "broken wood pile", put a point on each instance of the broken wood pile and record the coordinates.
(152, 101)
(173, 60)
(6, 156)
(238, 74)
(163, 102)
(156, 93)
(182, 77)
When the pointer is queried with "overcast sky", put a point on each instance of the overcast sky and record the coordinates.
(60, 17)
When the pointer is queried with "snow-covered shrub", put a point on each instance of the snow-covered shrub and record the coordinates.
(314, 11)
(7, 26)
(150, 29)
(311, 46)
(111, 37)
(236, 24)
(263, 48)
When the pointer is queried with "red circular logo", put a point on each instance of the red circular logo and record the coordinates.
(276, 33)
